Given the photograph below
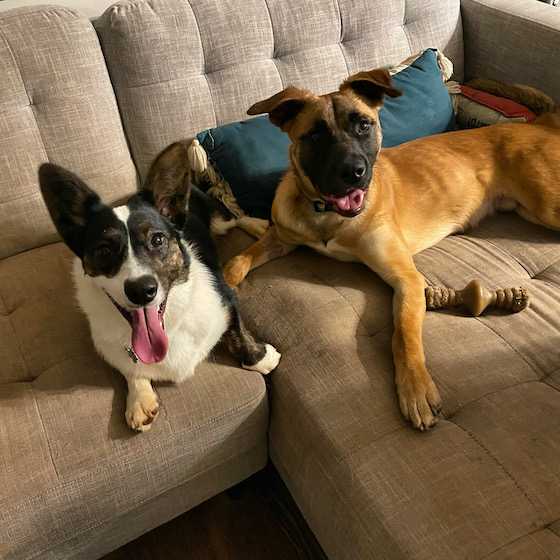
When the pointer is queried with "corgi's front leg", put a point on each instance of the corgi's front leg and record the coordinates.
(141, 404)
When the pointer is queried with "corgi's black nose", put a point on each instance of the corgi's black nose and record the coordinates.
(142, 290)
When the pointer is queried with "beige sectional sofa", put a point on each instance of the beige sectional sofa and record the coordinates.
(103, 100)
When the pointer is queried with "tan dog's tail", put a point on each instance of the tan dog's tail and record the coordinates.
(539, 102)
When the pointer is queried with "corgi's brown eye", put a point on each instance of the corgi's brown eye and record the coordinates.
(157, 240)
(103, 251)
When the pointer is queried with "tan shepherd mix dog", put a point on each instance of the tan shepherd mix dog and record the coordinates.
(346, 198)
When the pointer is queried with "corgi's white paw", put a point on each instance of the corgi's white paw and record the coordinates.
(268, 362)
(141, 410)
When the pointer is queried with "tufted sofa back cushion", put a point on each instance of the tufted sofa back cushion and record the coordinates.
(179, 67)
(57, 105)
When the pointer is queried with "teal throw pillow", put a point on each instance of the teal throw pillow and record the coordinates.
(252, 156)
(423, 110)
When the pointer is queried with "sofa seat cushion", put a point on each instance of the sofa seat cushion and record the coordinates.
(75, 480)
(489, 474)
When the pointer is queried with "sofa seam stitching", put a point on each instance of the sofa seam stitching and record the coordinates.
(490, 394)
(34, 8)
(352, 308)
(343, 499)
(273, 43)
(271, 27)
(503, 468)
(45, 432)
(507, 253)
(205, 73)
(537, 371)
(549, 384)
(326, 283)
(471, 237)
(545, 527)
(31, 104)
(403, 27)
(340, 39)
(19, 345)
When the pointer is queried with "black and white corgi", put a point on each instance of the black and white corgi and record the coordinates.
(148, 278)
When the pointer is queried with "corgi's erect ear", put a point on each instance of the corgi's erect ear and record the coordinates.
(372, 86)
(169, 180)
(71, 204)
(283, 107)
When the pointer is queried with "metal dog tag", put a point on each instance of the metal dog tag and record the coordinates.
(132, 354)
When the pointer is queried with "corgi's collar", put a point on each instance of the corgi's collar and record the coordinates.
(320, 206)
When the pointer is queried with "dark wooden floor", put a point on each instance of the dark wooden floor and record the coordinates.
(263, 523)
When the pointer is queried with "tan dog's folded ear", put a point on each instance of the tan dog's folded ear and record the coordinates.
(168, 179)
(373, 86)
(282, 107)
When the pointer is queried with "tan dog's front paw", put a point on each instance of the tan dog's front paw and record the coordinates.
(419, 401)
(141, 411)
(256, 227)
(236, 269)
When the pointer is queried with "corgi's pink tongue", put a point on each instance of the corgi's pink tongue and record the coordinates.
(351, 201)
(149, 340)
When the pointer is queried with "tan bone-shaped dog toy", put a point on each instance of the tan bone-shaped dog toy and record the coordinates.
(476, 298)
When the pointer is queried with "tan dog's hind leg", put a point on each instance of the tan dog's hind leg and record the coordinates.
(267, 248)
(386, 253)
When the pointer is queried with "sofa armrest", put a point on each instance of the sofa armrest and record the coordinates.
(513, 41)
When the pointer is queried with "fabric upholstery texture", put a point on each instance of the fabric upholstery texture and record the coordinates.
(90, 8)
(50, 87)
(509, 39)
(488, 475)
(182, 67)
(76, 483)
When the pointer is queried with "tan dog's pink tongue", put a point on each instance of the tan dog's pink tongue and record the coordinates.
(149, 340)
(351, 201)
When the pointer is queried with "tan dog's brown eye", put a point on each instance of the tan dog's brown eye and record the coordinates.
(157, 240)
(364, 126)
